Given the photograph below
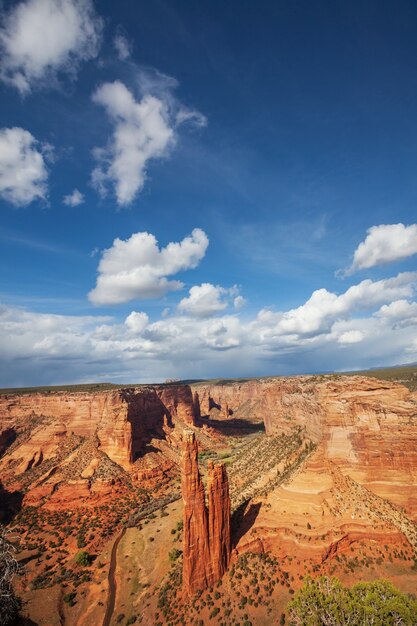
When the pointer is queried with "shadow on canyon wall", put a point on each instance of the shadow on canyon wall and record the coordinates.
(242, 520)
(234, 427)
(148, 416)
(10, 504)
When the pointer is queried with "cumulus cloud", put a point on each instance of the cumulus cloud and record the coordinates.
(137, 322)
(324, 307)
(74, 199)
(136, 268)
(239, 302)
(206, 300)
(23, 173)
(146, 121)
(399, 313)
(351, 336)
(142, 132)
(41, 38)
(186, 345)
(384, 244)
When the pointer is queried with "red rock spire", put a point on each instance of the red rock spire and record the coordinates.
(206, 552)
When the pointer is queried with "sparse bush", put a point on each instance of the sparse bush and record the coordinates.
(83, 558)
(69, 598)
(174, 554)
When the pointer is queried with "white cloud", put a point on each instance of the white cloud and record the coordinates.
(122, 45)
(41, 38)
(206, 300)
(384, 244)
(142, 132)
(23, 173)
(185, 115)
(239, 302)
(324, 307)
(351, 336)
(399, 313)
(137, 269)
(74, 199)
(137, 322)
(183, 346)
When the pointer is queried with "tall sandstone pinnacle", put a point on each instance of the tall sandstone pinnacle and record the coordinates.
(206, 553)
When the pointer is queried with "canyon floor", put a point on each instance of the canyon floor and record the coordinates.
(322, 474)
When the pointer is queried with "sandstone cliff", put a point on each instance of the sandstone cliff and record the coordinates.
(78, 432)
(368, 427)
(206, 552)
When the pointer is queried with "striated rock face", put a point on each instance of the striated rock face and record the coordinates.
(219, 519)
(365, 426)
(196, 553)
(121, 422)
(206, 553)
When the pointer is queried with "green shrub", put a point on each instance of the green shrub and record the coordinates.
(69, 598)
(83, 558)
(174, 554)
(326, 601)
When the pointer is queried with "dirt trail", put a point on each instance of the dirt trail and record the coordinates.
(111, 597)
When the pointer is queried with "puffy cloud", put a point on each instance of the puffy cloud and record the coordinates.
(137, 322)
(239, 302)
(141, 132)
(23, 172)
(122, 45)
(351, 336)
(324, 307)
(145, 128)
(205, 300)
(74, 199)
(136, 268)
(182, 346)
(384, 244)
(40, 38)
(399, 313)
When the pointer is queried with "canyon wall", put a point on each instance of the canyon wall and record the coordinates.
(366, 426)
(206, 552)
(122, 422)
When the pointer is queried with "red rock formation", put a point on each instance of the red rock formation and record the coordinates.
(196, 554)
(365, 425)
(123, 421)
(219, 519)
(206, 552)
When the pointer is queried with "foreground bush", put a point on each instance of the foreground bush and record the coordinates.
(326, 602)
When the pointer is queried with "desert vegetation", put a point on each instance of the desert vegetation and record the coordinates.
(326, 602)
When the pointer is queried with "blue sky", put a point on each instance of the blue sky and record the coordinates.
(206, 189)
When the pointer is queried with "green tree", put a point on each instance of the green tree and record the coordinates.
(326, 602)
(83, 558)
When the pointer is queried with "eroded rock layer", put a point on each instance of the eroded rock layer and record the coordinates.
(206, 552)
(367, 427)
(123, 421)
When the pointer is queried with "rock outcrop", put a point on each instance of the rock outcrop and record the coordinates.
(366, 426)
(123, 422)
(218, 519)
(206, 553)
